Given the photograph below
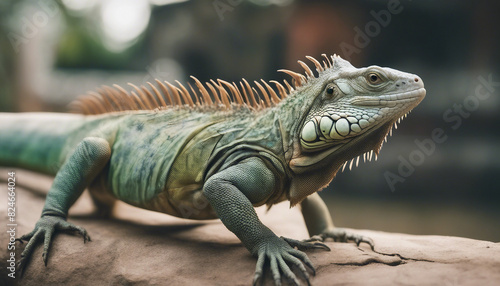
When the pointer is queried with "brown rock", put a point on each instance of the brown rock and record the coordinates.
(139, 247)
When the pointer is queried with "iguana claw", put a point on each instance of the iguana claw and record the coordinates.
(280, 252)
(341, 235)
(44, 229)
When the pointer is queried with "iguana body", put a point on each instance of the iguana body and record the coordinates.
(200, 159)
(180, 142)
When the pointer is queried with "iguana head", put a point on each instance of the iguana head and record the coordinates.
(351, 103)
(347, 112)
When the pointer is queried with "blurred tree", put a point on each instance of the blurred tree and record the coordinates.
(81, 47)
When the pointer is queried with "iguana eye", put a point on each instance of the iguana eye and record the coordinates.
(329, 90)
(374, 78)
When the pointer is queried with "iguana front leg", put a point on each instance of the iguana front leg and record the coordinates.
(320, 225)
(231, 193)
(87, 160)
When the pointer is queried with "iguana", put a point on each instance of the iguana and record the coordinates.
(215, 150)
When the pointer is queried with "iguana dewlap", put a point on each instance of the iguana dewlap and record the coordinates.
(214, 150)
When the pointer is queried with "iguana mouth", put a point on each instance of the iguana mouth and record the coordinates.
(391, 100)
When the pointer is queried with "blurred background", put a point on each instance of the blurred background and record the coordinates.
(423, 183)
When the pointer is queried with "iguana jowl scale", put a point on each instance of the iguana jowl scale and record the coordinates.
(166, 148)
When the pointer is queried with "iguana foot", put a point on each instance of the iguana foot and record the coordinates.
(280, 252)
(341, 235)
(44, 229)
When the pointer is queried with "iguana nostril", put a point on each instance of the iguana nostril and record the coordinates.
(416, 79)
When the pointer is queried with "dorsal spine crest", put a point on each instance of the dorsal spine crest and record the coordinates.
(219, 93)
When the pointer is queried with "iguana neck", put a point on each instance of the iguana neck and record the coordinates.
(291, 113)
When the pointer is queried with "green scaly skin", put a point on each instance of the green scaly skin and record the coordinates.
(207, 163)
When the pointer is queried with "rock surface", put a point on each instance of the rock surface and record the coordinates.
(139, 247)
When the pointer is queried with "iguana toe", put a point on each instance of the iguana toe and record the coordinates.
(64, 225)
(32, 238)
(306, 244)
(341, 235)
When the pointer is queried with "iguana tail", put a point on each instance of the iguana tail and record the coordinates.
(35, 140)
